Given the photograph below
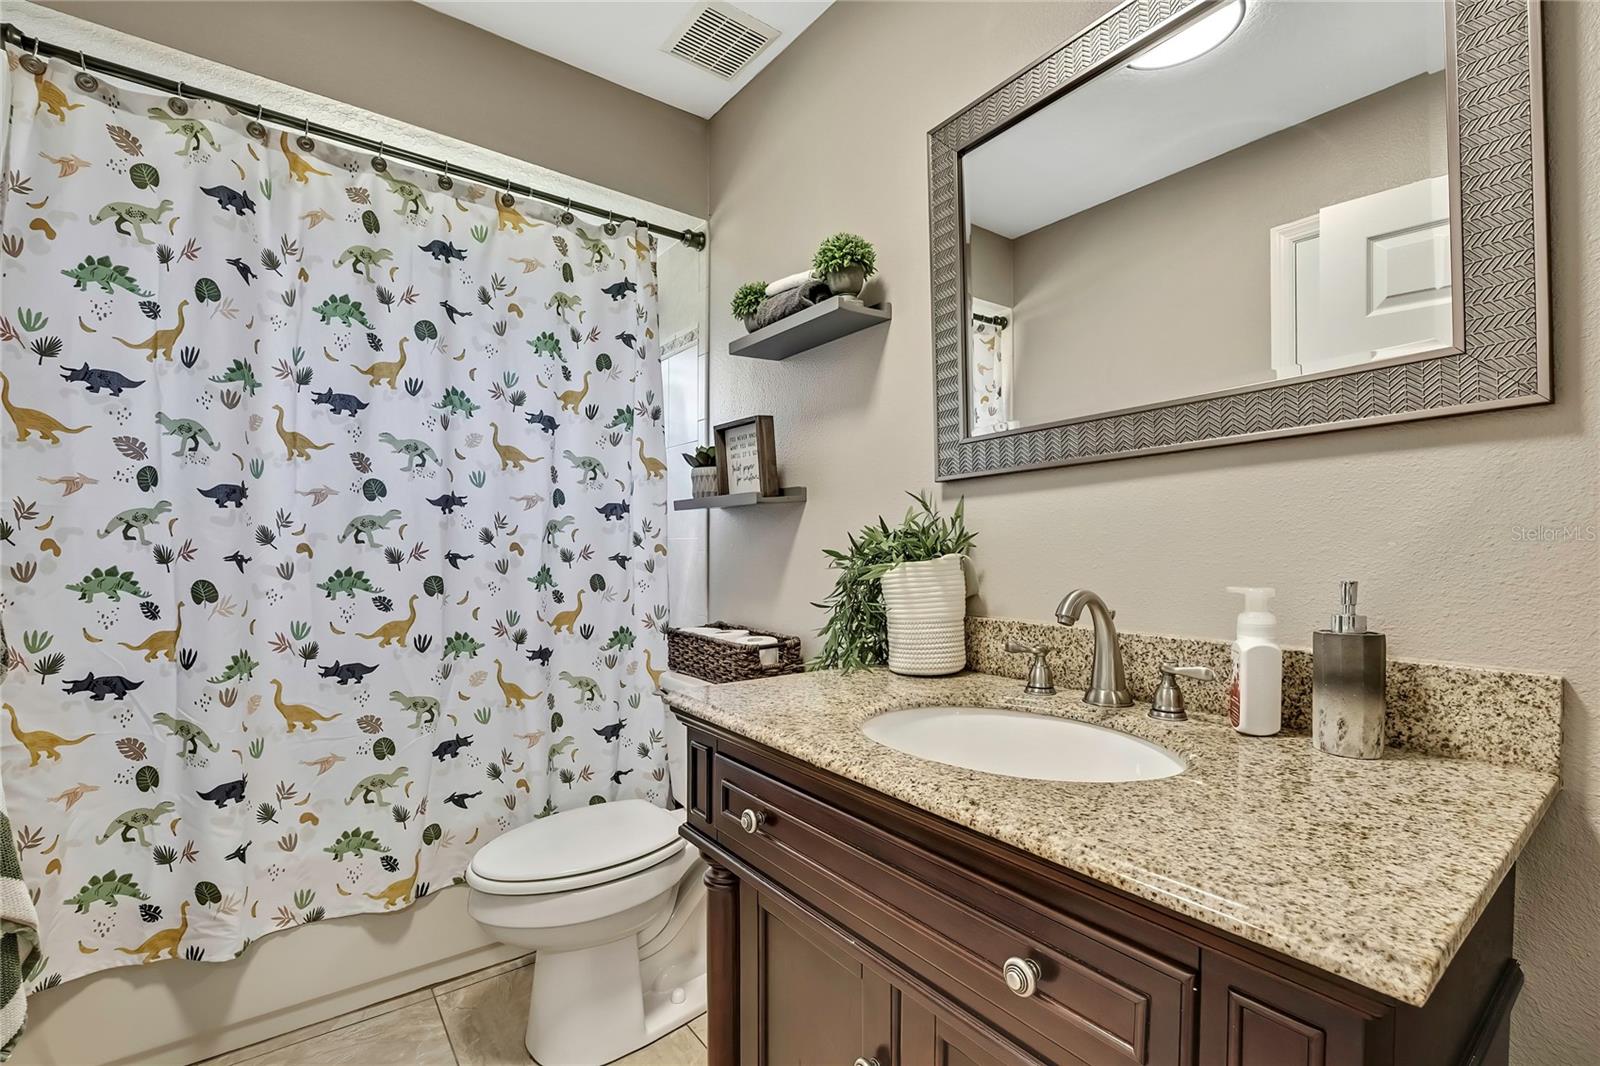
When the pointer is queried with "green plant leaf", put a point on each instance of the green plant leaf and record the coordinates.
(747, 298)
(855, 633)
(842, 251)
(144, 176)
(206, 291)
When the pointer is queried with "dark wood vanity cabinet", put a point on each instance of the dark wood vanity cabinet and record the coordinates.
(846, 927)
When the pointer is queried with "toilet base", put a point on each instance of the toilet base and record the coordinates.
(589, 1007)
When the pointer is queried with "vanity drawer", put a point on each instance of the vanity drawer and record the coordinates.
(1099, 999)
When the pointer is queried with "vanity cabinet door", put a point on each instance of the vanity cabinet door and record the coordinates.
(1249, 1017)
(804, 997)
(931, 1037)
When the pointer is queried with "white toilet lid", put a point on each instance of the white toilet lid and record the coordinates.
(581, 841)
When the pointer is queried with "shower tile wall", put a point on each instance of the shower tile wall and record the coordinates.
(686, 530)
(683, 374)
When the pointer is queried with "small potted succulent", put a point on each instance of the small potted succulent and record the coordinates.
(747, 301)
(845, 261)
(702, 471)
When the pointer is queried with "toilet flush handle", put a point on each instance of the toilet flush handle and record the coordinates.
(750, 821)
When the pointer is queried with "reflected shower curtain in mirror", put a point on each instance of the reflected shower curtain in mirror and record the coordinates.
(990, 368)
(334, 534)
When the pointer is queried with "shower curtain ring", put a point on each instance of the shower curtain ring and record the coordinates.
(566, 213)
(304, 141)
(508, 201)
(83, 79)
(446, 182)
(177, 104)
(611, 225)
(380, 164)
(254, 127)
(32, 63)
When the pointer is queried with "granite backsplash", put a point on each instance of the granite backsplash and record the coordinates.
(1505, 717)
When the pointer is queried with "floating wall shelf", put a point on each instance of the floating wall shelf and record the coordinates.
(835, 317)
(796, 494)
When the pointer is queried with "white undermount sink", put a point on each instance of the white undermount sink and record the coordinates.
(1018, 744)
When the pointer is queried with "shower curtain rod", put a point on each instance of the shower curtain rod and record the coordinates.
(695, 239)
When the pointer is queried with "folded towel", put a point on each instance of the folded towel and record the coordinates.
(793, 281)
(786, 303)
(20, 958)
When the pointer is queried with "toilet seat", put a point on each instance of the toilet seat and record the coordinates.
(576, 849)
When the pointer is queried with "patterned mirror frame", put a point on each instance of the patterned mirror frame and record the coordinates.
(1501, 357)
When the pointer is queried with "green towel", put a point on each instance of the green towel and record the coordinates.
(20, 958)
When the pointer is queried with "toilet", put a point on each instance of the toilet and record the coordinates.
(611, 899)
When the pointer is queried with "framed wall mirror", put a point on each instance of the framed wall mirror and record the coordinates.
(1202, 222)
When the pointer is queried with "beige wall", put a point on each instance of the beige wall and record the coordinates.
(991, 266)
(1165, 291)
(1426, 514)
(407, 61)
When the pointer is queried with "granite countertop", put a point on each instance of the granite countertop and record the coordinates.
(1374, 871)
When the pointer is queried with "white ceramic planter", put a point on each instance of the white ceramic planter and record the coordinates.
(926, 604)
(703, 481)
(847, 282)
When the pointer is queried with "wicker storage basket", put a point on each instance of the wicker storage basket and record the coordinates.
(720, 661)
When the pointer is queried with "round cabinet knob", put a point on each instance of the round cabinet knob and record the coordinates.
(1022, 976)
(866, 1062)
(750, 820)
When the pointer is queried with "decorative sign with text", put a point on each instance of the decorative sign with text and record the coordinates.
(746, 456)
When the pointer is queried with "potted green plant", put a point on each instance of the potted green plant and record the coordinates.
(900, 595)
(845, 261)
(747, 301)
(702, 471)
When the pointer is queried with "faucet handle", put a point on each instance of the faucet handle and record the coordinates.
(1167, 704)
(1040, 683)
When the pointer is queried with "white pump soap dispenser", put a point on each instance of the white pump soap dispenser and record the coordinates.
(1255, 696)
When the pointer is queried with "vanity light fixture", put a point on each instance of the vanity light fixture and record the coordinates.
(1194, 40)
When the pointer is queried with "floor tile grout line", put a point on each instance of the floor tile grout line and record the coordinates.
(434, 988)
(338, 1022)
(334, 1028)
(443, 1025)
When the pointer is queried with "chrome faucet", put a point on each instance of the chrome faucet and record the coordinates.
(1107, 687)
(1040, 683)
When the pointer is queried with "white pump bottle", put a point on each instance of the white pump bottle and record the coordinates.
(1255, 698)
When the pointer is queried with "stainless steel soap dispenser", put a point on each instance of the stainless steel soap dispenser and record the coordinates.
(1347, 683)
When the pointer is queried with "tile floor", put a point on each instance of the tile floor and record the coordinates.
(476, 1020)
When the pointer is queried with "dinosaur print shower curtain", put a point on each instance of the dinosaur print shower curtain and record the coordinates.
(333, 533)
